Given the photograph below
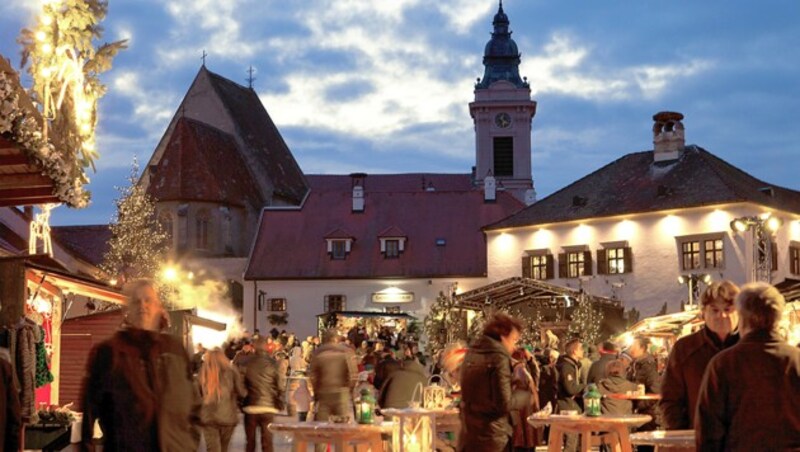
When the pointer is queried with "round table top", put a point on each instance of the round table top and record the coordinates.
(633, 420)
(419, 411)
(661, 438)
(329, 427)
(634, 396)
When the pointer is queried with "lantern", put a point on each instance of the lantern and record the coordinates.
(434, 397)
(413, 431)
(365, 407)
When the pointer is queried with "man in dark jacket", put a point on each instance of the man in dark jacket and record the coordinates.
(597, 371)
(569, 385)
(139, 383)
(750, 393)
(263, 382)
(644, 371)
(487, 399)
(689, 357)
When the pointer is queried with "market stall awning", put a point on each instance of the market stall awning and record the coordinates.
(512, 291)
(72, 283)
(668, 325)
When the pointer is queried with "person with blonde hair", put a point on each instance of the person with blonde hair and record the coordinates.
(750, 393)
(221, 388)
(690, 356)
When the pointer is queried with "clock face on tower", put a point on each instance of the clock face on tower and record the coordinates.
(502, 120)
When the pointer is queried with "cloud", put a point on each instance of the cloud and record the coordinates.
(463, 14)
(153, 108)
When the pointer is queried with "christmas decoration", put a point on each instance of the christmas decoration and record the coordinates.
(138, 244)
(40, 230)
(585, 323)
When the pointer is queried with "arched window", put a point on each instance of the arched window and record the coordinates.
(202, 226)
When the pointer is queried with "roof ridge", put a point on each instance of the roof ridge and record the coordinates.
(714, 160)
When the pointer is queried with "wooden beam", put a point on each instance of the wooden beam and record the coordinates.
(14, 159)
(30, 180)
(27, 201)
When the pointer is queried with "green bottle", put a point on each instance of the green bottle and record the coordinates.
(591, 400)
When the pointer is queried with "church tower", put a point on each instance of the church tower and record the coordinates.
(502, 113)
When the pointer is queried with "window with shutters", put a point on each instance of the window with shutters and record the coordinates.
(503, 156)
(538, 264)
(702, 251)
(574, 262)
(335, 303)
(615, 258)
(794, 259)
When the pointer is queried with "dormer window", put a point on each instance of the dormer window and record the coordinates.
(393, 242)
(339, 244)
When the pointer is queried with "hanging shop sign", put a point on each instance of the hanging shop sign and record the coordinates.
(392, 296)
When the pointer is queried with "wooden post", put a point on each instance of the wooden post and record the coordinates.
(12, 291)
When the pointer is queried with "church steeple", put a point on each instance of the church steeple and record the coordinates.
(501, 57)
(503, 112)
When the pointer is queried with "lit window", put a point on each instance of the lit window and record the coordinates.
(335, 303)
(690, 253)
(576, 264)
(539, 266)
(702, 251)
(616, 260)
(713, 253)
(277, 304)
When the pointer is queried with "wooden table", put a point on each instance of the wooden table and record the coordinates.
(614, 427)
(634, 396)
(674, 440)
(340, 436)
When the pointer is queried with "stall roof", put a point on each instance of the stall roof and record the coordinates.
(76, 284)
(790, 288)
(511, 291)
(398, 315)
(667, 324)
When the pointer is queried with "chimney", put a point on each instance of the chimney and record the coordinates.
(357, 180)
(489, 189)
(668, 136)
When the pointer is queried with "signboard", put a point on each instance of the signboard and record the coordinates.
(393, 297)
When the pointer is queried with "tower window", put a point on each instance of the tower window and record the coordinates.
(503, 156)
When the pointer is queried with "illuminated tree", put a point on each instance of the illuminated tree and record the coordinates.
(138, 245)
(443, 324)
(64, 64)
(585, 323)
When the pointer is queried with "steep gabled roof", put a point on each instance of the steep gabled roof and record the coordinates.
(201, 163)
(394, 182)
(635, 184)
(268, 150)
(290, 243)
(89, 242)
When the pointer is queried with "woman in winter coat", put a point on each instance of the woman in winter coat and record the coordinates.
(525, 437)
(221, 388)
(487, 398)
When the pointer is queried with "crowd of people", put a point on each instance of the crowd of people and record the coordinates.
(735, 381)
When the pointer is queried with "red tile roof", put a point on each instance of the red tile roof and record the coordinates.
(291, 242)
(202, 163)
(89, 242)
(635, 184)
(267, 152)
(394, 182)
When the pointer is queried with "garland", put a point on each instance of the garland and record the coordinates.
(22, 127)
